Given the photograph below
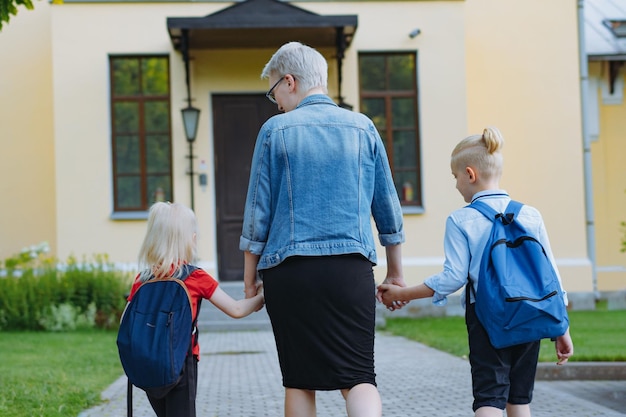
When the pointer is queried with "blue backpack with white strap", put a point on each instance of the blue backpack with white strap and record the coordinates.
(157, 333)
(518, 298)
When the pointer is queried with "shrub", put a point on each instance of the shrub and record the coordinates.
(65, 317)
(38, 293)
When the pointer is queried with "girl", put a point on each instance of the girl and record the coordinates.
(170, 243)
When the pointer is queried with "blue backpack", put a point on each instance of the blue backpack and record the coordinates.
(518, 297)
(155, 334)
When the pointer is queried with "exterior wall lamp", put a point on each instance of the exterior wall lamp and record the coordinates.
(191, 116)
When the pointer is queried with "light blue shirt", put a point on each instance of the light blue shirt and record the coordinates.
(467, 232)
(318, 175)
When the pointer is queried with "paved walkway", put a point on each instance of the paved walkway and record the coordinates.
(239, 377)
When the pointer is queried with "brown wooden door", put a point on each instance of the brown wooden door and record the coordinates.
(236, 123)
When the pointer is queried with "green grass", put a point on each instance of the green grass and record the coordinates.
(598, 335)
(55, 374)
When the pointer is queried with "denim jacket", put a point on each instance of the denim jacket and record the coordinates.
(318, 175)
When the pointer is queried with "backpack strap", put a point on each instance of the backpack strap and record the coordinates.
(485, 209)
(510, 213)
(187, 271)
(513, 209)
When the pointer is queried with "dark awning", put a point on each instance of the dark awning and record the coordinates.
(262, 24)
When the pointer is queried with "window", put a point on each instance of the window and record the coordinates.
(616, 26)
(141, 134)
(388, 88)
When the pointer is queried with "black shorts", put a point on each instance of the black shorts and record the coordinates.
(499, 376)
(323, 312)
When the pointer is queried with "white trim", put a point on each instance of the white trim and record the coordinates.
(611, 268)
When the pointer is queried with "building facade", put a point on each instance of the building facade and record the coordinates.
(91, 94)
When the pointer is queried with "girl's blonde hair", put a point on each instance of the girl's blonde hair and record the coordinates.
(482, 152)
(170, 240)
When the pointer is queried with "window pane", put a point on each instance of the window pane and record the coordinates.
(372, 72)
(141, 139)
(126, 117)
(158, 154)
(157, 116)
(402, 112)
(127, 155)
(389, 97)
(401, 72)
(159, 188)
(128, 192)
(155, 76)
(406, 185)
(125, 77)
(404, 155)
(374, 108)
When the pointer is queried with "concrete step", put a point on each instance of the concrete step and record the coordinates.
(582, 371)
(213, 319)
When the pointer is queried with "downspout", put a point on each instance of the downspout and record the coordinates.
(184, 48)
(340, 41)
(587, 166)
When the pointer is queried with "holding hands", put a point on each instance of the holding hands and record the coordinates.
(389, 294)
(395, 296)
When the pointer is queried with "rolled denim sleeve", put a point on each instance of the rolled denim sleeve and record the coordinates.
(257, 211)
(386, 208)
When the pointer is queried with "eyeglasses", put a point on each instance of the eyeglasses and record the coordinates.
(270, 94)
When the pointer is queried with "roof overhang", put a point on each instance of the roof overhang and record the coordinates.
(610, 57)
(261, 24)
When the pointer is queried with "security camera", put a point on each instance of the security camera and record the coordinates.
(414, 33)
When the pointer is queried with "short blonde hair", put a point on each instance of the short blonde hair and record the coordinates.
(482, 152)
(169, 241)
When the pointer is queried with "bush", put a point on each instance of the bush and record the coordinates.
(37, 293)
(65, 317)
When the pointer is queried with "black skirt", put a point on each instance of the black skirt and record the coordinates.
(323, 312)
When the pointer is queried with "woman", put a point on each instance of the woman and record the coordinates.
(318, 174)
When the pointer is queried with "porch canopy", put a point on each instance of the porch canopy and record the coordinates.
(262, 24)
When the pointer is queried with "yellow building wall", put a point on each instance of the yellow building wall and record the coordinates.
(85, 224)
(608, 151)
(27, 179)
(523, 77)
(478, 65)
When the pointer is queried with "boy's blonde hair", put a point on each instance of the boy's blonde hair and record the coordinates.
(481, 152)
(169, 241)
